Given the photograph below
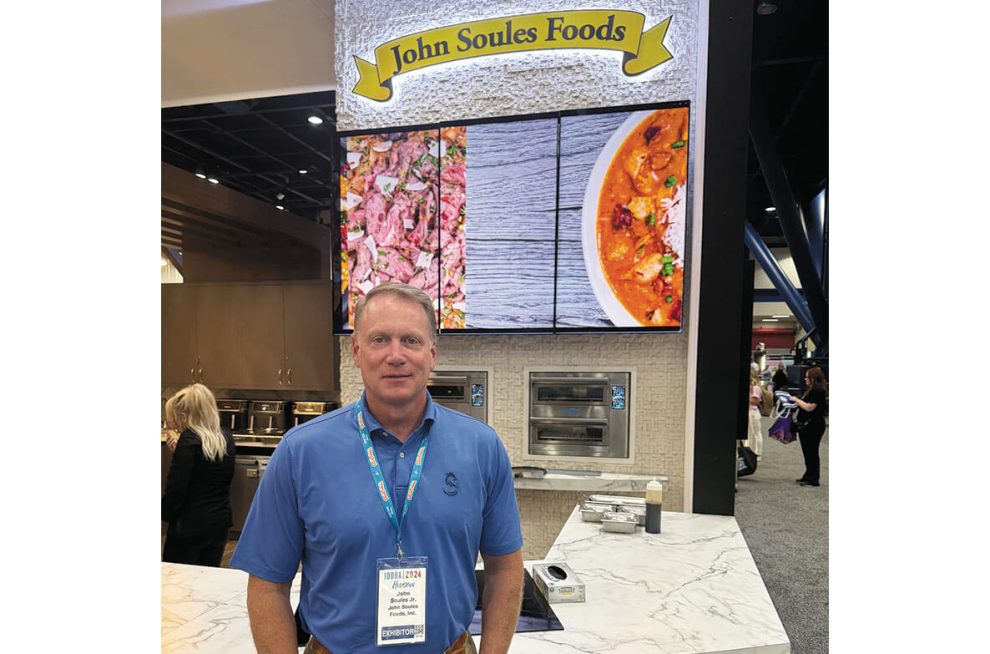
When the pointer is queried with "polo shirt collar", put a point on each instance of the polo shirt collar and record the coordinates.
(375, 428)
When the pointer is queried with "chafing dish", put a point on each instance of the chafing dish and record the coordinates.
(638, 511)
(593, 511)
(618, 500)
(623, 523)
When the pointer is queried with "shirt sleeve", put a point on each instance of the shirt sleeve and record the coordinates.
(501, 532)
(179, 474)
(271, 543)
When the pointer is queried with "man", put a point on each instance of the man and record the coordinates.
(387, 503)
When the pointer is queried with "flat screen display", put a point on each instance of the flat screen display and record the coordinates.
(571, 221)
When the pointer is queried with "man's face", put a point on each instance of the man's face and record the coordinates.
(394, 351)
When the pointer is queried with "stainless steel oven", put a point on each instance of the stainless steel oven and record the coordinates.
(579, 414)
(248, 471)
(464, 391)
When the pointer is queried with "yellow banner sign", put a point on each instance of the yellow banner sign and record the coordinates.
(592, 28)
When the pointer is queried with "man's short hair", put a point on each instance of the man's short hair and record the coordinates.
(404, 291)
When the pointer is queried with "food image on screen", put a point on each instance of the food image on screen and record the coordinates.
(641, 217)
(453, 207)
(402, 205)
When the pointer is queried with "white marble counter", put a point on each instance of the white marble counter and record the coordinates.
(693, 588)
(205, 609)
(562, 480)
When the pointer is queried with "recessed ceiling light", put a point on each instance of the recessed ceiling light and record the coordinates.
(213, 180)
(303, 171)
(780, 316)
(770, 209)
(280, 207)
(280, 196)
(201, 175)
(766, 8)
(770, 320)
(316, 120)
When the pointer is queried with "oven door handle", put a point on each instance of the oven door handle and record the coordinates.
(572, 380)
(573, 421)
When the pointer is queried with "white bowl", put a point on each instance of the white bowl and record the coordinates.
(617, 313)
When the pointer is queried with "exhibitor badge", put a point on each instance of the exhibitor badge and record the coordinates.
(401, 601)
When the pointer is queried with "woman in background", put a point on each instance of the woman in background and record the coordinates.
(196, 503)
(755, 437)
(811, 415)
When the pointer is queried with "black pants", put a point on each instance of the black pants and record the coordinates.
(201, 549)
(811, 439)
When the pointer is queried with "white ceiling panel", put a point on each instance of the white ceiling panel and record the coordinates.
(215, 50)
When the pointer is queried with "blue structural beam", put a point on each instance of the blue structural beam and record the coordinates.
(790, 217)
(787, 291)
(771, 295)
(814, 226)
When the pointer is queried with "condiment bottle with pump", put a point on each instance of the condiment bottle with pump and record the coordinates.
(654, 499)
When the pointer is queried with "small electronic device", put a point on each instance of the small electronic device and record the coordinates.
(558, 583)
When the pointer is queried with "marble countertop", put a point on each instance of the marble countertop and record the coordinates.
(692, 588)
(205, 609)
(563, 480)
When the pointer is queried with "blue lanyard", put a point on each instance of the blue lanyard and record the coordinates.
(379, 478)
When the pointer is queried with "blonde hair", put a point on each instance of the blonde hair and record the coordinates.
(195, 408)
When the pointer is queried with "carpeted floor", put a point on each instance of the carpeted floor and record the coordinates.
(786, 528)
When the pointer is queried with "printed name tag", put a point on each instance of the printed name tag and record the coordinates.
(401, 601)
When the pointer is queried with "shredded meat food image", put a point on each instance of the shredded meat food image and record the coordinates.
(403, 206)
(641, 216)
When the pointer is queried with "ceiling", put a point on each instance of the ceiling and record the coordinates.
(223, 61)
(215, 50)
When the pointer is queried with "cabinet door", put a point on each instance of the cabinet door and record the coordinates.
(260, 338)
(309, 348)
(216, 336)
(178, 335)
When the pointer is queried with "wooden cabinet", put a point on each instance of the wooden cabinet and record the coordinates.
(249, 336)
(260, 337)
(309, 353)
(198, 336)
(179, 360)
(216, 315)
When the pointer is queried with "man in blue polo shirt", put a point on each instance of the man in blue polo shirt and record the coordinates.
(386, 503)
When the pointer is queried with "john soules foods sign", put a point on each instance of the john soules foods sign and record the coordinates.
(595, 29)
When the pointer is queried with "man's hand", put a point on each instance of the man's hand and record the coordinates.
(272, 623)
(501, 602)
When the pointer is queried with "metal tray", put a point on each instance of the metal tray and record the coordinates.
(592, 512)
(623, 523)
(618, 500)
(528, 472)
(638, 511)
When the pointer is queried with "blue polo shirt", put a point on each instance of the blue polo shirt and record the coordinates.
(317, 504)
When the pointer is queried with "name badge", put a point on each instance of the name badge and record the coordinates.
(401, 601)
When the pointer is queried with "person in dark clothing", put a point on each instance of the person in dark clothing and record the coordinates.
(811, 421)
(779, 380)
(196, 502)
